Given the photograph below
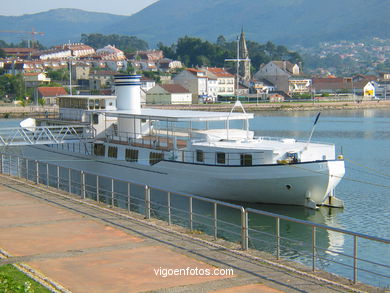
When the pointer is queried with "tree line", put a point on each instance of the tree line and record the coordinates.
(197, 52)
(125, 43)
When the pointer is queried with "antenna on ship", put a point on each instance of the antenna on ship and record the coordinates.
(312, 130)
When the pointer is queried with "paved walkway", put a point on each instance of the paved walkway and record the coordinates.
(83, 248)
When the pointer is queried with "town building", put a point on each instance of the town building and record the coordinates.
(225, 80)
(50, 94)
(195, 81)
(101, 79)
(110, 53)
(168, 65)
(22, 53)
(35, 79)
(279, 73)
(164, 94)
(147, 83)
(357, 87)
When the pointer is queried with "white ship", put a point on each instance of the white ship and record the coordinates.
(200, 152)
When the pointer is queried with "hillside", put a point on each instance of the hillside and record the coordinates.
(59, 25)
(288, 22)
(282, 21)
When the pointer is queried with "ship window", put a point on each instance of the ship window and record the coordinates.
(246, 160)
(112, 152)
(199, 156)
(131, 155)
(221, 158)
(154, 158)
(95, 118)
(99, 149)
(90, 104)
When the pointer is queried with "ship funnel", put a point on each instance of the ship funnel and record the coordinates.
(128, 93)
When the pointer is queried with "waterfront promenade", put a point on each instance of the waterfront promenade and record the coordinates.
(80, 246)
(42, 112)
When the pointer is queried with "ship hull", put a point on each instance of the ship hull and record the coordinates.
(307, 184)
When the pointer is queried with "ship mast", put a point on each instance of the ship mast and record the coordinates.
(237, 103)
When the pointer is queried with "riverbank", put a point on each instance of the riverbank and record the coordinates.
(28, 111)
(50, 111)
(285, 106)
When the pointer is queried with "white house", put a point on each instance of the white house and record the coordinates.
(212, 89)
(35, 78)
(225, 80)
(167, 65)
(147, 83)
(164, 94)
(369, 90)
(111, 52)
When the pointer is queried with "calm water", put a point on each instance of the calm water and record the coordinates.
(363, 136)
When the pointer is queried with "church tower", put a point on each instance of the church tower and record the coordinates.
(245, 66)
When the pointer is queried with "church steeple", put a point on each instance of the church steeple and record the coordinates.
(245, 66)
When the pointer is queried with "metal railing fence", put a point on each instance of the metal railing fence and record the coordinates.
(219, 219)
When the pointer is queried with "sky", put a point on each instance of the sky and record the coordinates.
(121, 7)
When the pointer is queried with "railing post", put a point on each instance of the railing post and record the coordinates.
(147, 202)
(18, 166)
(37, 171)
(313, 247)
(82, 184)
(169, 208)
(97, 189)
(2, 163)
(128, 196)
(355, 259)
(58, 177)
(70, 180)
(244, 229)
(190, 213)
(278, 238)
(26, 169)
(215, 216)
(47, 174)
(112, 193)
(9, 165)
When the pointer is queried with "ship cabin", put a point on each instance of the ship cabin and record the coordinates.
(196, 137)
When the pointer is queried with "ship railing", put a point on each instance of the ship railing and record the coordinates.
(45, 134)
(280, 139)
(251, 228)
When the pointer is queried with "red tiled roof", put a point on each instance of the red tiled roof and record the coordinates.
(18, 50)
(32, 73)
(174, 88)
(193, 70)
(220, 72)
(51, 91)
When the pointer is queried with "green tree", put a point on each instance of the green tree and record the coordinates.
(41, 102)
(2, 53)
(58, 74)
(197, 52)
(12, 86)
